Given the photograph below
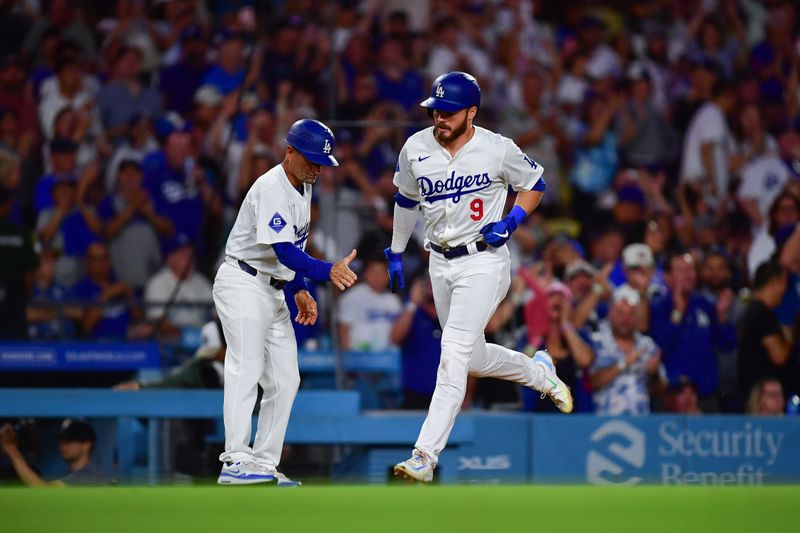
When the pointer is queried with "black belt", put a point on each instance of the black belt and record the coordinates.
(276, 283)
(458, 251)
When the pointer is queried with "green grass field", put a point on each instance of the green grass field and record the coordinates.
(361, 509)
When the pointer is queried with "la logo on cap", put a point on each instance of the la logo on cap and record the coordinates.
(327, 147)
(440, 91)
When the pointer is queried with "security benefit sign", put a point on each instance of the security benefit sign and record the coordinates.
(668, 450)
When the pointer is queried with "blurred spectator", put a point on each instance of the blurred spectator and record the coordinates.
(108, 309)
(367, 311)
(16, 272)
(179, 82)
(132, 226)
(396, 82)
(681, 397)
(139, 142)
(73, 126)
(535, 127)
(60, 14)
(590, 289)
(228, 74)
(627, 364)
(762, 181)
(783, 215)
(688, 328)
(645, 137)
(596, 155)
(418, 333)
(766, 398)
(76, 440)
(70, 226)
(764, 348)
(126, 96)
(203, 371)
(454, 50)
(178, 296)
(708, 145)
(47, 314)
(16, 94)
(69, 90)
(63, 158)
(176, 183)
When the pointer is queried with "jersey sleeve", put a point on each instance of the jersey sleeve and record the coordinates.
(274, 217)
(519, 170)
(404, 178)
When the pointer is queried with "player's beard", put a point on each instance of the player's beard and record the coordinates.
(451, 135)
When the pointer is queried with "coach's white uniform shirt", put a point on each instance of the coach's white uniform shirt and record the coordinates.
(459, 195)
(273, 211)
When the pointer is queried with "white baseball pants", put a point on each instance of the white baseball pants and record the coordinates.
(261, 350)
(467, 291)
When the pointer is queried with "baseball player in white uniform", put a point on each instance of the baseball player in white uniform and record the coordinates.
(264, 254)
(458, 175)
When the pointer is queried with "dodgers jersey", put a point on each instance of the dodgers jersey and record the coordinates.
(273, 211)
(461, 194)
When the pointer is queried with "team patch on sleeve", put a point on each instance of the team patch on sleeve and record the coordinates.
(277, 223)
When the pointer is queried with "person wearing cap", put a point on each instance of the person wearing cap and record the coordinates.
(179, 83)
(132, 225)
(689, 328)
(70, 226)
(627, 366)
(590, 288)
(190, 305)
(264, 255)
(16, 273)
(76, 440)
(639, 272)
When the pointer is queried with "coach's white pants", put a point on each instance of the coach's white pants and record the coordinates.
(261, 350)
(467, 290)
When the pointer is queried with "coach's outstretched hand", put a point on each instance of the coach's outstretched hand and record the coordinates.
(396, 277)
(341, 275)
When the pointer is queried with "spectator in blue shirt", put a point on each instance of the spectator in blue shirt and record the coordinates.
(229, 72)
(175, 183)
(47, 314)
(107, 303)
(179, 82)
(418, 333)
(70, 226)
(627, 363)
(64, 162)
(126, 96)
(396, 82)
(689, 327)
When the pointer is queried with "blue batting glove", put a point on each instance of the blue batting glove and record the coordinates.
(396, 278)
(496, 234)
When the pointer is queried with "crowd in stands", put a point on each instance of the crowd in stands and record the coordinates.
(662, 270)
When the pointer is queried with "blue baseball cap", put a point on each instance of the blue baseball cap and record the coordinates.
(314, 140)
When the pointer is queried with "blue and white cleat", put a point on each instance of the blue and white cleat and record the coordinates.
(419, 467)
(284, 481)
(553, 386)
(244, 473)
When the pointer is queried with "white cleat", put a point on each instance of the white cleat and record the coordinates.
(554, 387)
(283, 481)
(243, 473)
(419, 467)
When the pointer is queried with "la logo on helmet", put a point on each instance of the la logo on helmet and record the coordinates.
(327, 147)
(440, 91)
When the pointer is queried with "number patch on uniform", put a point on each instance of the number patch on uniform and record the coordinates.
(530, 161)
(476, 206)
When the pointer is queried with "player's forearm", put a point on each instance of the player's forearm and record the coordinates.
(405, 218)
(301, 263)
(528, 200)
(24, 471)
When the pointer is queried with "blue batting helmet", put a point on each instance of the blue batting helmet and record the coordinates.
(314, 140)
(453, 91)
